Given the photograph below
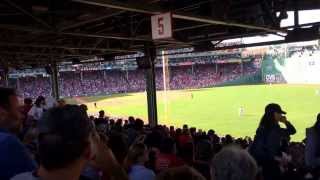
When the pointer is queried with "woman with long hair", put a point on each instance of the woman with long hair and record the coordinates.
(312, 151)
(135, 163)
(270, 139)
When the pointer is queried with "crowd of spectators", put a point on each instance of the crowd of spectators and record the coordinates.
(101, 82)
(66, 144)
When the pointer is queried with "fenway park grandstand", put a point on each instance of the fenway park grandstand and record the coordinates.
(159, 90)
(295, 63)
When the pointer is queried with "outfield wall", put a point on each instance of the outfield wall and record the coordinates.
(299, 68)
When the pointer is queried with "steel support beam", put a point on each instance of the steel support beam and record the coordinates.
(27, 13)
(105, 36)
(296, 14)
(90, 21)
(156, 10)
(55, 81)
(151, 86)
(7, 44)
(6, 78)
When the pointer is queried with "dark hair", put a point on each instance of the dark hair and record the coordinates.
(28, 101)
(131, 118)
(5, 94)
(316, 126)
(118, 145)
(267, 120)
(187, 152)
(138, 124)
(167, 145)
(63, 136)
(211, 132)
(39, 100)
(101, 113)
(84, 107)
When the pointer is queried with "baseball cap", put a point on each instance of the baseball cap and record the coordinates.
(274, 108)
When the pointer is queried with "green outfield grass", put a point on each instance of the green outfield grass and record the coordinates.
(218, 108)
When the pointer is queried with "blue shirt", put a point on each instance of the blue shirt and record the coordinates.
(14, 158)
(139, 172)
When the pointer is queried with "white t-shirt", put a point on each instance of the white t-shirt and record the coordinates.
(36, 112)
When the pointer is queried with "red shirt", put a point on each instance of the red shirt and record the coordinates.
(166, 161)
(184, 139)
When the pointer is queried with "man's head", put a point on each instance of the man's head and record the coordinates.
(10, 115)
(40, 101)
(61, 102)
(101, 114)
(27, 101)
(233, 163)
(139, 125)
(64, 138)
(84, 107)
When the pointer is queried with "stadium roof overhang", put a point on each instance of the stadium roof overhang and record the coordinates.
(37, 32)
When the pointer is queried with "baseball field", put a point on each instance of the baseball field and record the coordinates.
(234, 110)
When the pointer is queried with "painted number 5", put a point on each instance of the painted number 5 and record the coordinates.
(160, 26)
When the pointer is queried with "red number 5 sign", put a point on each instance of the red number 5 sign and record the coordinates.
(161, 26)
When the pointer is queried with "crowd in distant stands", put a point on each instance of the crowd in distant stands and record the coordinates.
(45, 141)
(86, 83)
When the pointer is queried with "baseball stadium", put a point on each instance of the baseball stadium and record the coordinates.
(159, 89)
(223, 90)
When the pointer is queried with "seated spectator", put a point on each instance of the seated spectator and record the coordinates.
(126, 124)
(135, 162)
(119, 146)
(14, 157)
(203, 155)
(183, 173)
(187, 153)
(167, 158)
(67, 144)
(203, 149)
(185, 138)
(172, 132)
(233, 163)
(135, 130)
(312, 151)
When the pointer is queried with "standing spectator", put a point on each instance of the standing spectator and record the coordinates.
(269, 139)
(167, 158)
(135, 162)
(84, 108)
(101, 123)
(67, 143)
(14, 158)
(61, 103)
(233, 163)
(135, 130)
(312, 151)
(37, 110)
